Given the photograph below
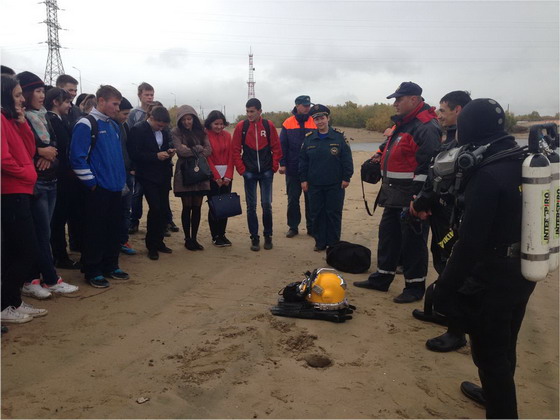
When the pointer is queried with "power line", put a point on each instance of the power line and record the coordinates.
(251, 82)
(54, 67)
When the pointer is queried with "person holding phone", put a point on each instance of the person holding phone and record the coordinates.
(149, 147)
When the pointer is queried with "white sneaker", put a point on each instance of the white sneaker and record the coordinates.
(61, 287)
(34, 289)
(11, 314)
(27, 309)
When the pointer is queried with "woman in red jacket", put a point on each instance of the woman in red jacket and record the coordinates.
(19, 246)
(221, 163)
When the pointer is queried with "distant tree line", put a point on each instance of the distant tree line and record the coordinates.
(377, 117)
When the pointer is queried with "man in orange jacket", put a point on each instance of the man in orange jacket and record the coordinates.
(256, 155)
(293, 132)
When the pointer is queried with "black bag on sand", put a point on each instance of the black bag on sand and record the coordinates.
(195, 169)
(349, 257)
(225, 205)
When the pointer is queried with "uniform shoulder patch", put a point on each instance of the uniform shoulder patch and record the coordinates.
(308, 133)
(338, 130)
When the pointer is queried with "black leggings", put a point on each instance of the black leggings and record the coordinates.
(190, 216)
(19, 246)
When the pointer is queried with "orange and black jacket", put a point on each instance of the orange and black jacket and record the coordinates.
(293, 132)
(406, 155)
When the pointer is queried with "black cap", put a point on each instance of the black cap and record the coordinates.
(303, 100)
(406, 89)
(481, 121)
(125, 104)
(29, 81)
(319, 110)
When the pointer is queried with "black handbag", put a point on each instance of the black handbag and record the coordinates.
(195, 169)
(225, 205)
(371, 172)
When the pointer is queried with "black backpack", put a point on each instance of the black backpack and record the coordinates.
(349, 257)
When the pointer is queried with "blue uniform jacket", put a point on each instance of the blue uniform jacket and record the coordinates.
(325, 161)
(293, 132)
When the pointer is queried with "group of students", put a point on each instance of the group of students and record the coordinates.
(64, 166)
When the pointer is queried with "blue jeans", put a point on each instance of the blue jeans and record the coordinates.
(265, 183)
(126, 201)
(42, 209)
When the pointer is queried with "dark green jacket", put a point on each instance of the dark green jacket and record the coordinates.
(325, 161)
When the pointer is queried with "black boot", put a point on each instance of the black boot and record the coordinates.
(268, 242)
(446, 342)
(474, 392)
(376, 281)
(255, 243)
(433, 317)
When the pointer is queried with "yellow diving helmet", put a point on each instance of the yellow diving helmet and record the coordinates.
(327, 290)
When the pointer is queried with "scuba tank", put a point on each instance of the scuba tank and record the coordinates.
(536, 210)
(554, 240)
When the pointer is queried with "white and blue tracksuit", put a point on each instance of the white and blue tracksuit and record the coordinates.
(104, 165)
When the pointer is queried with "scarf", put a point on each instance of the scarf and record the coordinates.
(38, 120)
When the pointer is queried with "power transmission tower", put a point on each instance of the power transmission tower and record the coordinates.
(251, 82)
(54, 66)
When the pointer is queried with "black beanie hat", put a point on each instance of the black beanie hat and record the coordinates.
(481, 121)
(125, 104)
(29, 81)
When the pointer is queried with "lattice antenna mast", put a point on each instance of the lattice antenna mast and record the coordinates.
(54, 66)
(251, 82)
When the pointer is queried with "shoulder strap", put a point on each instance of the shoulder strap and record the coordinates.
(246, 128)
(365, 201)
(94, 132)
(267, 129)
(244, 131)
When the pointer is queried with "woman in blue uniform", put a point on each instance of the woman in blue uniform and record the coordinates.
(325, 169)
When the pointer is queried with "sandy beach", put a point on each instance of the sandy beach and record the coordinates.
(191, 336)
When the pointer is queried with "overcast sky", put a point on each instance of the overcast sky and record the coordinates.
(334, 51)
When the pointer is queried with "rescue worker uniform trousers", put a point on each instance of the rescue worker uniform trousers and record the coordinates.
(396, 235)
(326, 202)
(293, 190)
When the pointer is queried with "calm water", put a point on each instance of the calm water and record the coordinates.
(372, 147)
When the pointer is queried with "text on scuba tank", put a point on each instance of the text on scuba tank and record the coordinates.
(557, 215)
(546, 216)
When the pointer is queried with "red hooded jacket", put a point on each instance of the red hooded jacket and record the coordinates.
(18, 148)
